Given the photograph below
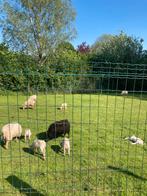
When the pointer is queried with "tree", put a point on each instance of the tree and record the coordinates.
(118, 48)
(37, 27)
(13, 68)
(67, 64)
(83, 48)
(119, 55)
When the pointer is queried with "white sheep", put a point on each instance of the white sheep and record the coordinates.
(30, 103)
(10, 131)
(124, 93)
(65, 144)
(135, 140)
(27, 134)
(39, 146)
(139, 141)
(63, 106)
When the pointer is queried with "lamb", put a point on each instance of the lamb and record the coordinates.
(139, 141)
(27, 134)
(39, 146)
(10, 131)
(124, 92)
(58, 128)
(135, 140)
(63, 106)
(65, 144)
(30, 103)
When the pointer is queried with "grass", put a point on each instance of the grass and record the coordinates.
(101, 162)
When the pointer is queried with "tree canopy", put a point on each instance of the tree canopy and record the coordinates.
(37, 27)
(83, 48)
(118, 48)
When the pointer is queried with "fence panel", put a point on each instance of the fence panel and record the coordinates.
(106, 105)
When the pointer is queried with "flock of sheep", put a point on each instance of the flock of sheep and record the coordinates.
(58, 128)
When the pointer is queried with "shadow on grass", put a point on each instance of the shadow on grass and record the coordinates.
(127, 172)
(30, 151)
(137, 96)
(22, 138)
(22, 186)
(29, 108)
(42, 136)
(129, 96)
(56, 148)
(2, 144)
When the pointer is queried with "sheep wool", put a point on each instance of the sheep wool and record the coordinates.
(10, 131)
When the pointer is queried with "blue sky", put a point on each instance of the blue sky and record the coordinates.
(97, 17)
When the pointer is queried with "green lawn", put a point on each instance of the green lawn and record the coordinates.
(101, 162)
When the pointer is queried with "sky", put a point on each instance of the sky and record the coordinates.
(97, 17)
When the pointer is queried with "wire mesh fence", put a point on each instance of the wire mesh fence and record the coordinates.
(103, 158)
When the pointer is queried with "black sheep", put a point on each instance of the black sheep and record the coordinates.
(58, 128)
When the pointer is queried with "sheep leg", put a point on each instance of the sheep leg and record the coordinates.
(69, 151)
(27, 138)
(35, 150)
(24, 106)
(43, 152)
(16, 139)
(64, 151)
(6, 144)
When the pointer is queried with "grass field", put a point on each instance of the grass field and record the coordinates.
(101, 162)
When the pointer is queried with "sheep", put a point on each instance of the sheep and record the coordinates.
(63, 106)
(65, 144)
(58, 128)
(27, 134)
(10, 131)
(124, 92)
(40, 146)
(135, 140)
(30, 103)
(139, 141)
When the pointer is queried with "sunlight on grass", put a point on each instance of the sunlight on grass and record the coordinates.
(101, 162)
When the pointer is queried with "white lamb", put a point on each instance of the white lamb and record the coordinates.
(39, 146)
(10, 131)
(135, 140)
(30, 103)
(63, 106)
(124, 93)
(139, 141)
(65, 144)
(27, 134)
